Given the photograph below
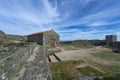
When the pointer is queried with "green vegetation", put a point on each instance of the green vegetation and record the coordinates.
(67, 70)
(110, 69)
(107, 55)
(89, 71)
(101, 62)
(64, 70)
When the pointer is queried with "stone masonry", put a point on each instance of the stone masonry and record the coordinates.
(47, 38)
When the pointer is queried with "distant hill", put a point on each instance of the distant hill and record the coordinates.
(10, 38)
(16, 37)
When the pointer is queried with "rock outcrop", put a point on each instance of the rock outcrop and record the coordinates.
(16, 37)
(11, 38)
(38, 69)
(3, 37)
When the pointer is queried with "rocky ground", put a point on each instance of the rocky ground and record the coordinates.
(21, 60)
(35, 68)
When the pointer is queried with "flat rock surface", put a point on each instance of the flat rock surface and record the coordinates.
(36, 67)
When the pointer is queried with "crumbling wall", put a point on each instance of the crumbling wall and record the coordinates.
(10, 62)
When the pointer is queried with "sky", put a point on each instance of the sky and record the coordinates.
(72, 19)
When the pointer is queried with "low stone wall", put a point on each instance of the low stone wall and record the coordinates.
(9, 64)
(37, 69)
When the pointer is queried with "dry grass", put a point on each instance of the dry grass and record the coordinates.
(75, 46)
(99, 60)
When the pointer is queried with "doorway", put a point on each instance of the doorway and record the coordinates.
(52, 43)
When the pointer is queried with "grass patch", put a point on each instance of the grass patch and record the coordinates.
(112, 72)
(110, 69)
(107, 55)
(89, 71)
(107, 76)
(65, 70)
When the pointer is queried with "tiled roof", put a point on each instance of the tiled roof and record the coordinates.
(38, 33)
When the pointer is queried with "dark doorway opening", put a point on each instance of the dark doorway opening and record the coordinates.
(52, 42)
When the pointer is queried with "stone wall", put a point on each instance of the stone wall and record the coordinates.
(44, 38)
(35, 38)
(38, 68)
(48, 36)
(12, 60)
(111, 38)
(90, 42)
(97, 42)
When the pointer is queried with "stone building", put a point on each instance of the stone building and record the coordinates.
(47, 38)
(111, 38)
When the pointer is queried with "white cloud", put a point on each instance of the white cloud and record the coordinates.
(27, 15)
(102, 23)
(29, 18)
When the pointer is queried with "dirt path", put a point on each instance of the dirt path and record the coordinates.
(83, 54)
(74, 54)
(22, 70)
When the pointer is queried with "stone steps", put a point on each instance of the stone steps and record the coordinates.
(53, 58)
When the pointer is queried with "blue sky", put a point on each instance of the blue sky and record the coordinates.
(72, 19)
